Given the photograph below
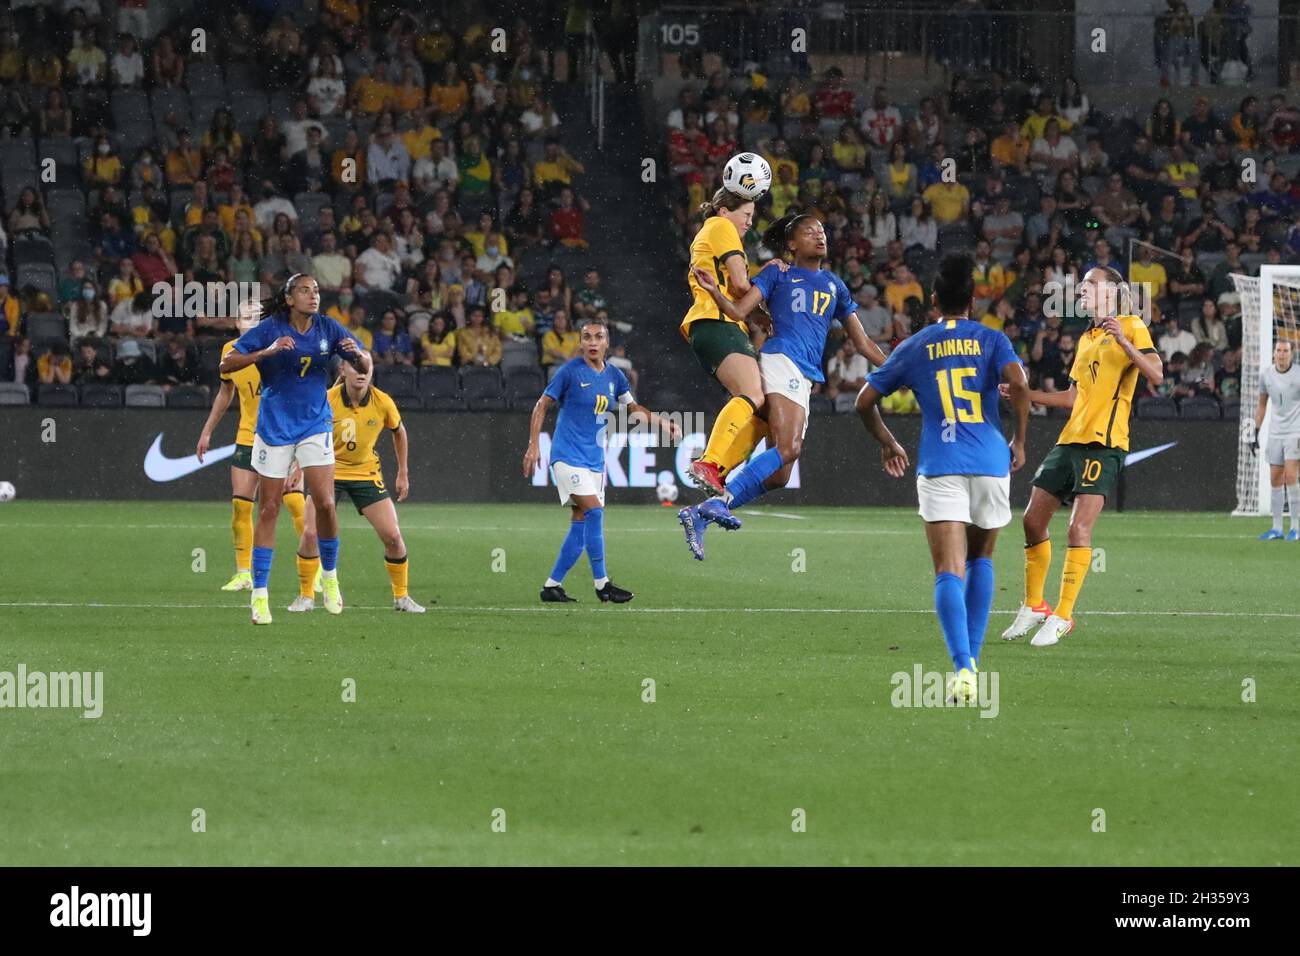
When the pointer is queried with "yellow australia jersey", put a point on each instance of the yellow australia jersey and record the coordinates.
(356, 431)
(715, 243)
(248, 385)
(1105, 379)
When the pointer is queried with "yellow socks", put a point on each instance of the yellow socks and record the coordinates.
(744, 443)
(726, 427)
(1038, 558)
(241, 531)
(307, 568)
(296, 503)
(1072, 575)
(397, 573)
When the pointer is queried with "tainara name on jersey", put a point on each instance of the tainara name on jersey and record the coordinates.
(954, 347)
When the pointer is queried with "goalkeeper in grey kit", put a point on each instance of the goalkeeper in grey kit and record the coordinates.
(1280, 384)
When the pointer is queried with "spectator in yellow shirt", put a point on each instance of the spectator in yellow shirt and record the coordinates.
(561, 343)
(1011, 149)
(1036, 124)
(356, 324)
(184, 163)
(949, 202)
(1152, 273)
(516, 321)
(450, 95)
(901, 402)
(478, 343)
(1184, 175)
(418, 139)
(101, 168)
(438, 344)
(555, 170)
(229, 210)
(785, 192)
(901, 287)
(372, 91)
(408, 94)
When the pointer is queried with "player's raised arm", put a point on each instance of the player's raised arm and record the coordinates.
(1141, 353)
(219, 405)
(738, 309)
(532, 454)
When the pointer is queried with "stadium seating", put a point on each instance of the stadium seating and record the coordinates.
(399, 381)
(56, 393)
(46, 327)
(482, 389)
(523, 386)
(187, 396)
(97, 395)
(1200, 409)
(145, 396)
(1156, 407)
(439, 387)
(14, 393)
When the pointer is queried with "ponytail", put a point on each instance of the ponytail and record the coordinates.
(722, 199)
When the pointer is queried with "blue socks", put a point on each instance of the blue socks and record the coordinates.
(950, 605)
(329, 553)
(979, 601)
(261, 566)
(594, 524)
(748, 484)
(570, 551)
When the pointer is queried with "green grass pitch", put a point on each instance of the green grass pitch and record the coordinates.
(772, 693)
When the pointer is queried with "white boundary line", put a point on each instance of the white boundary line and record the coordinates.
(488, 609)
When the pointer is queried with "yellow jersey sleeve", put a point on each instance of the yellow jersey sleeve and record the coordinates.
(392, 417)
(1137, 332)
(248, 386)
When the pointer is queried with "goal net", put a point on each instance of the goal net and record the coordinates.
(1270, 310)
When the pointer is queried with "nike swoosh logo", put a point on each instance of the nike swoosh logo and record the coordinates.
(161, 468)
(585, 384)
(1133, 457)
(796, 280)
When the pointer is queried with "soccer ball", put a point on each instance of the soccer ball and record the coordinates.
(7, 491)
(666, 490)
(747, 175)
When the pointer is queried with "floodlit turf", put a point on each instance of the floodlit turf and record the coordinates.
(773, 692)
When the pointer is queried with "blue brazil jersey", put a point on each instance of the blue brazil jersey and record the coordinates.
(802, 303)
(294, 403)
(954, 367)
(585, 397)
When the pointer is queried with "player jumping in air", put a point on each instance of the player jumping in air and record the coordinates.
(292, 348)
(1280, 384)
(954, 368)
(361, 413)
(586, 388)
(247, 384)
(1090, 452)
(803, 301)
(721, 343)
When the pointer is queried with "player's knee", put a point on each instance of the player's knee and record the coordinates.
(393, 543)
(308, 542)
(790, 450)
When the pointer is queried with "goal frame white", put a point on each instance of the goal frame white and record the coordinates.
(1268, 274)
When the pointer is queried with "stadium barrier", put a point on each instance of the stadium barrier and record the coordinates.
(93, 454)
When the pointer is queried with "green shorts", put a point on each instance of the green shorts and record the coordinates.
(364, 492)
(243, 458)
(1070, 470)
(713, 340)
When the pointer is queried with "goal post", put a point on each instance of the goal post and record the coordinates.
(1270, 309)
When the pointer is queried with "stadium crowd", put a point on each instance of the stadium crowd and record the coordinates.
(1036, 184)
(421, 177)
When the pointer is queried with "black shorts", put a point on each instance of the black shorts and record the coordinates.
(1071, 470)
(712, 340)
(243, 458)
(364, 492)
